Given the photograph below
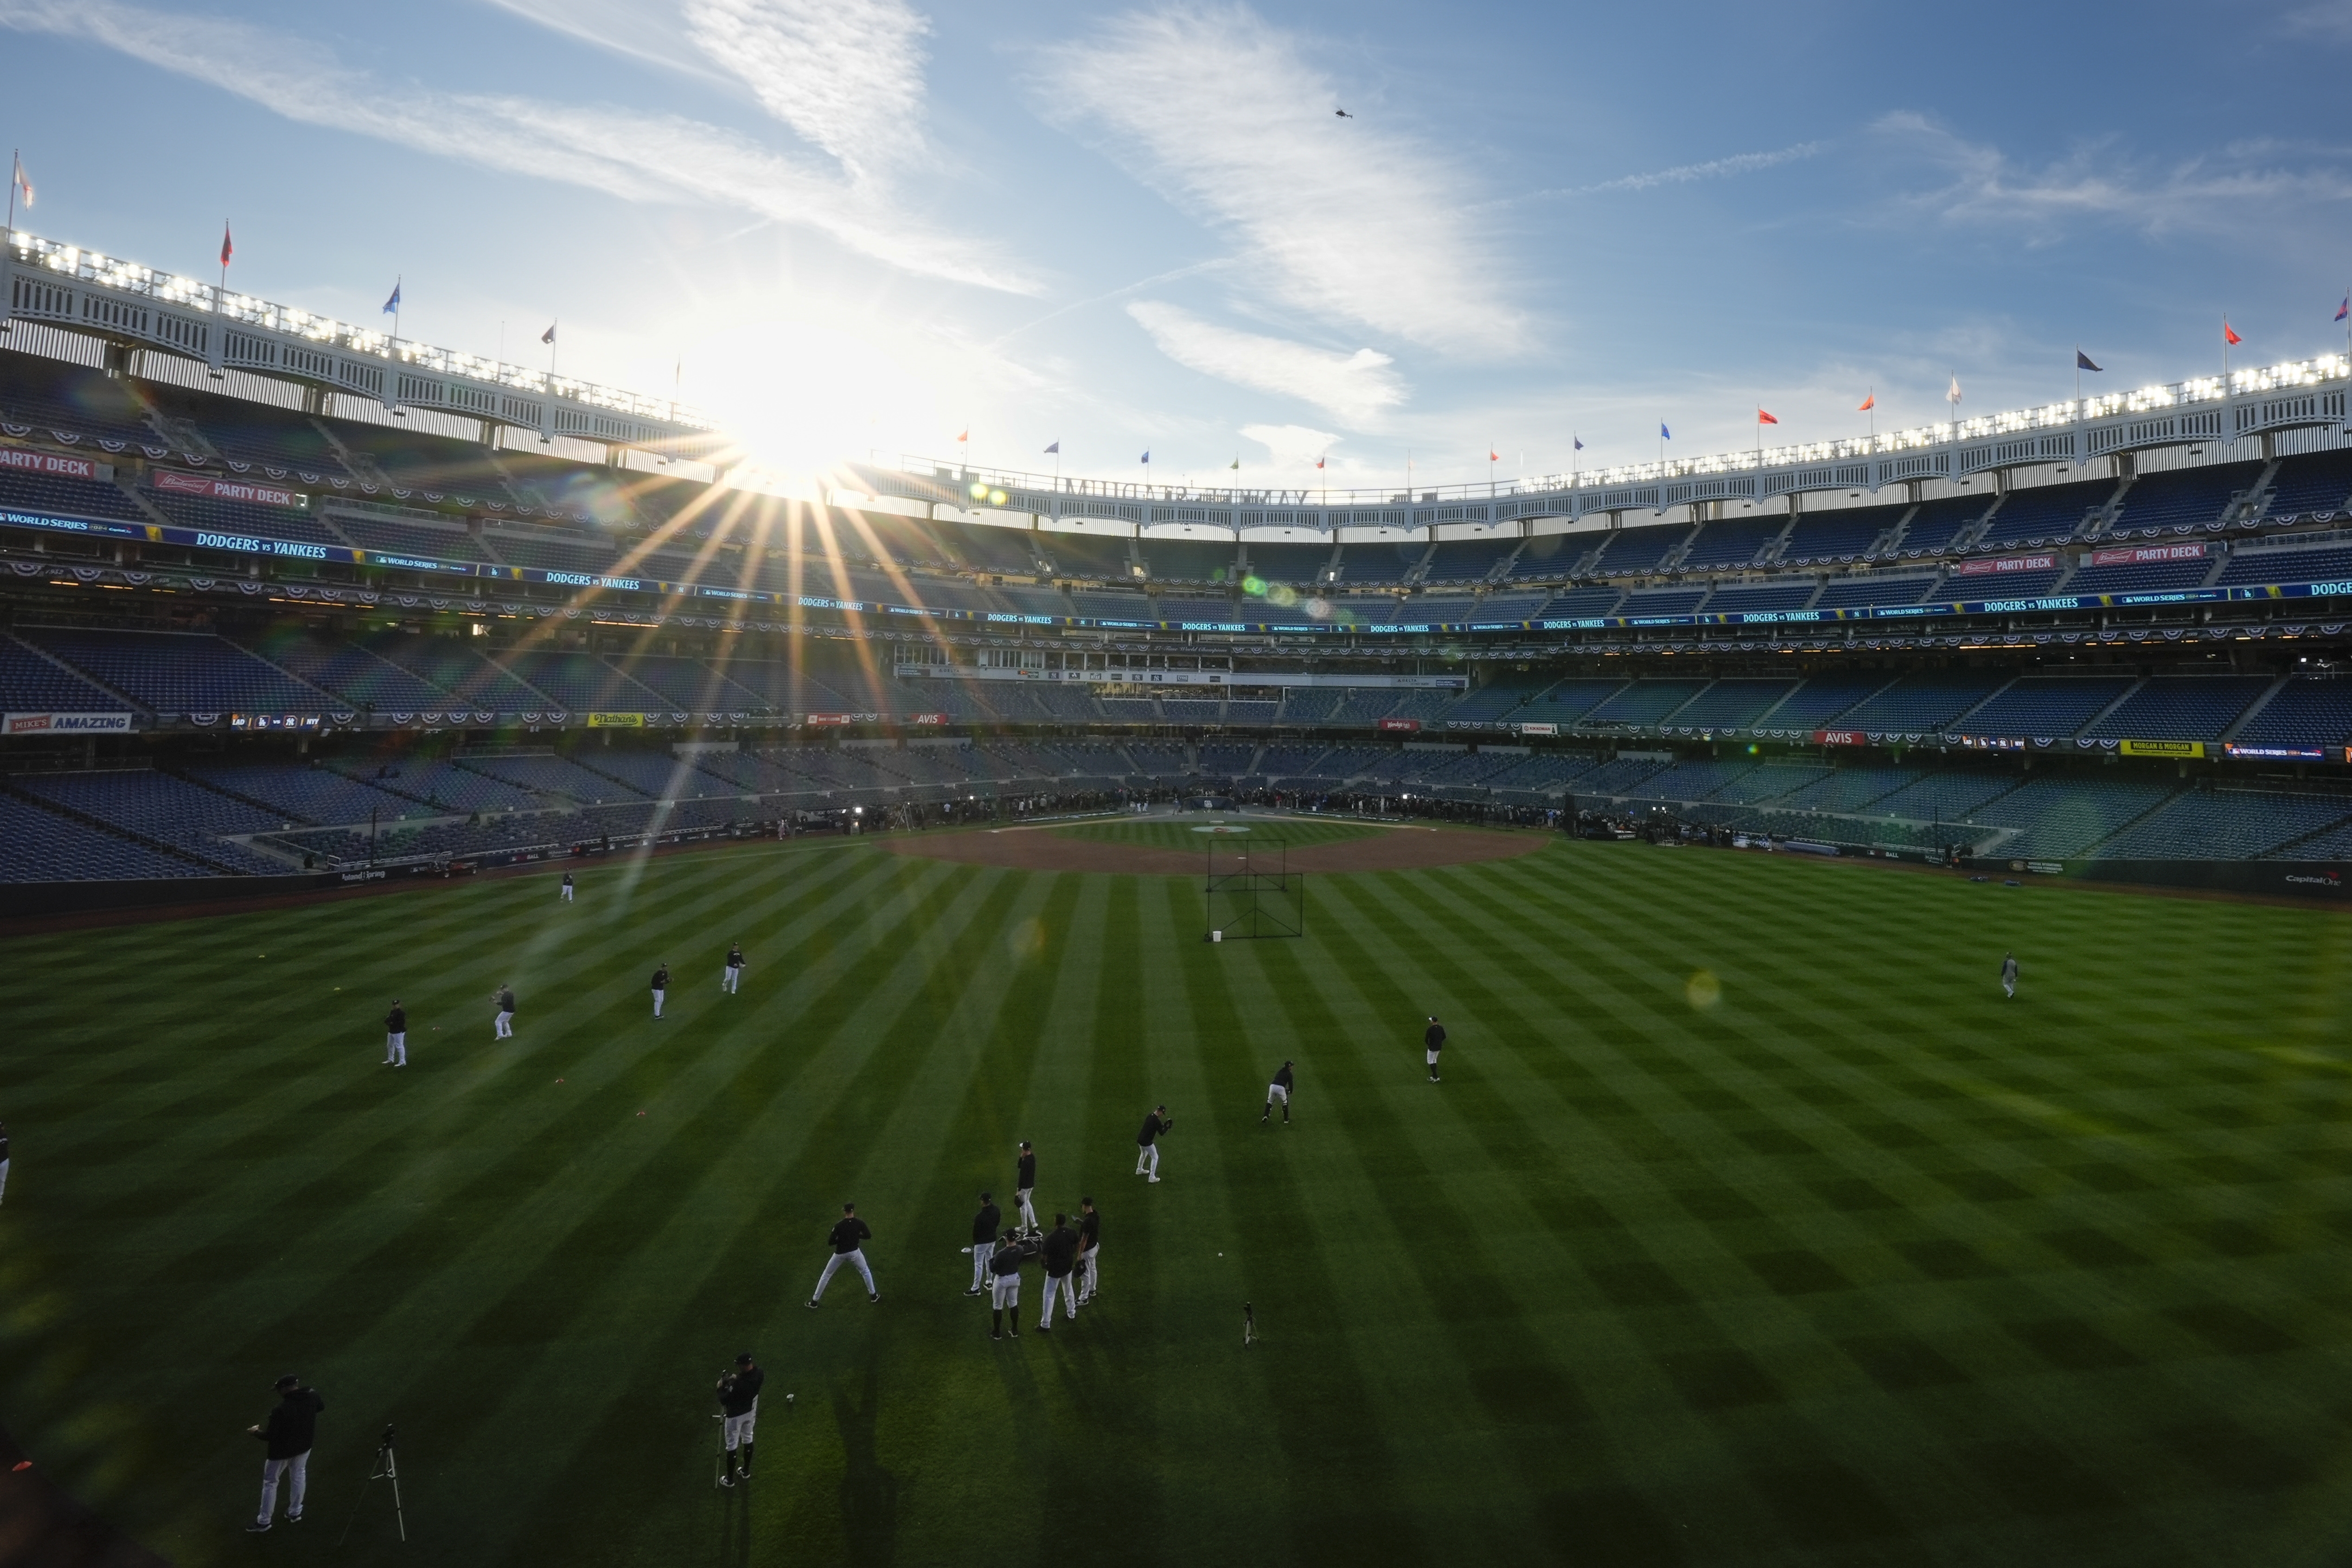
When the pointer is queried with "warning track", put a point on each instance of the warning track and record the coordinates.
(1398, 848)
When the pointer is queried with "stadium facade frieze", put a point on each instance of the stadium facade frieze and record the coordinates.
(2255, 402)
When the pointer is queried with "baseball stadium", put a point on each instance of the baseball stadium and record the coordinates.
(1778, 1008)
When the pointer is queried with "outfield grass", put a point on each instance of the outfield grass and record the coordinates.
(1193, 837)
(1750, 1226)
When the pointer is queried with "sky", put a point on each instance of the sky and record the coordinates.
(855, 228)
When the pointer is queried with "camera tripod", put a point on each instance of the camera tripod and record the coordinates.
(387, 1469)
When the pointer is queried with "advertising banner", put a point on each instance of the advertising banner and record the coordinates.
(1406, 726)
(1538, 729)
(926, 718)
(2277, 753)
(616, 720)
(2162, 748)
(224, 489)
(68, 723)
(827, 720)
(25, 460)
(1839, 738)
(2008, 563)
(2148, 553)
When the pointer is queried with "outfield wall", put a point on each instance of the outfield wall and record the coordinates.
(2325, 882)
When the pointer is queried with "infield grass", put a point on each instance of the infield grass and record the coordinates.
(1750, 1225)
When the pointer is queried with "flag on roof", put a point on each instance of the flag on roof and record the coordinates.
(1236, 462)
(1318, 462)
(1580, 442)
(1764, 418)
(1493, 456)
(25, 184)
(2341, 310)
(2229, 333)
(228, 245)
(548, 336)
(1867, 404)
(1146, 456)
(1953, 396)
(1665, 433)
(2082, 362)
(1055, 450)
(392, 306)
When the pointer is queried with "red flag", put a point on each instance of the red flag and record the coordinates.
(1318, 462)
(1868, 404)
(967, 433)
(228, 245)
(2229, 334)
(1764, 418)
(1493, 456)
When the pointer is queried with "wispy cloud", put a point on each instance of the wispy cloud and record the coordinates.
(628, 153)
(2216, 192)
(1356, 388)
(846, 74)
(1350, 219)
(1713, 169)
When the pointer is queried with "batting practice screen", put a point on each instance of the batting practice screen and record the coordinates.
(1252, 891)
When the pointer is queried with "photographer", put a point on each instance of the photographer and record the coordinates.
(292, 1427)
(739, 1401)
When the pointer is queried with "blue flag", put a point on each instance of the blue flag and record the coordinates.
(2082, 362)
(1056, 448)
(1579, 445)
(1146, 456)
(1665, 433)
(392, 306)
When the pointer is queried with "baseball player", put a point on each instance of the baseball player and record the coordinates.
(1434, 1038)
(1278, 1091)
(1024, 1182)
(567, 886)
(506, 1011)
(1061, 1249)
(739, 1401)
(661, 987)
(1089, 1249)
(1004, 1280)
(984, 1241)
(2009, 975)
(1146, 1142)
(291, 1430)
(733, 975)
(848, 1236)
(396, 1035)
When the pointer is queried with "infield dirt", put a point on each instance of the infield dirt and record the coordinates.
(1403, 848)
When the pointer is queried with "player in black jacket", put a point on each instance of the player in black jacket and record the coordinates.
(1004, 1280)
(661, 987)
(505, 999)
(1146, 1142)
(292, 1428)
(1279, 1090)
(396, 1035)
(1089, 1247)
(1433, 1039)
(1061, 1257)
(1024, 1182)
(739, 1401)
(984, 1241)
(848, 1236)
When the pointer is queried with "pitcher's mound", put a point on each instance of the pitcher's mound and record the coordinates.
(1390, 848)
